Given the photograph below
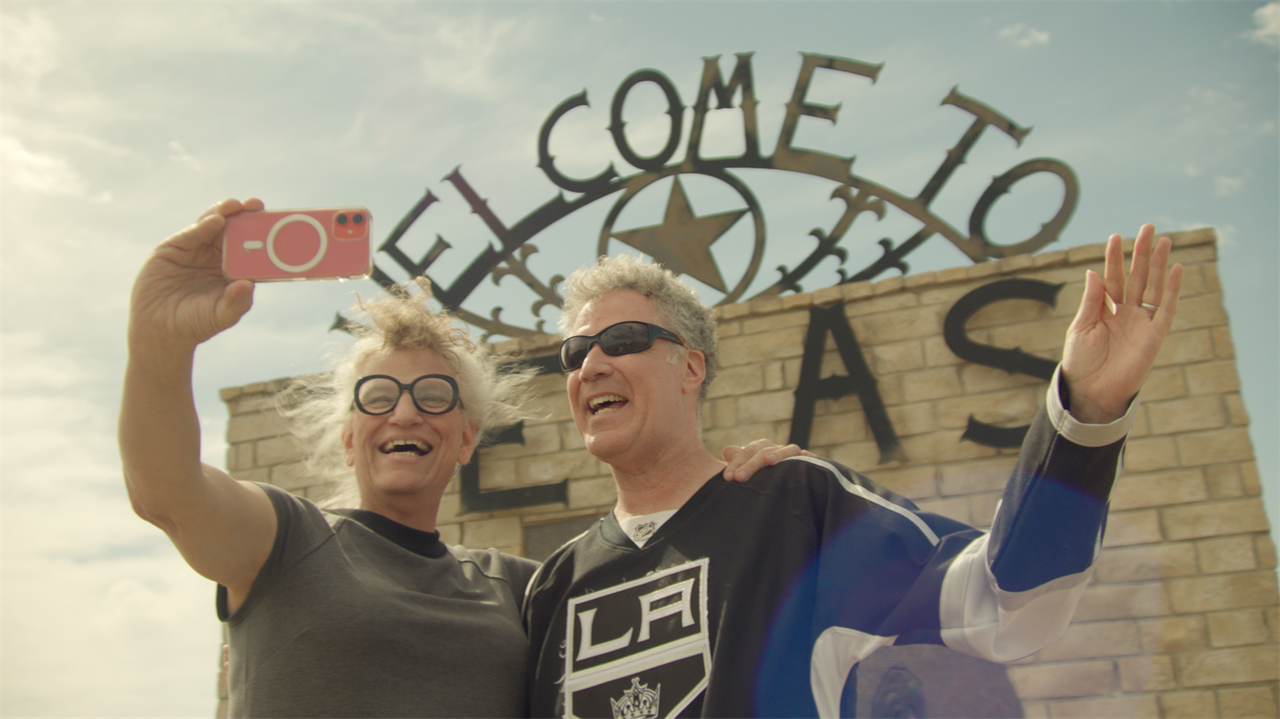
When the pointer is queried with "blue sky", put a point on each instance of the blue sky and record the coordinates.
(120, 122)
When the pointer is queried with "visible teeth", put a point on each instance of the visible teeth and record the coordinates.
(597, 402)
(405, 445)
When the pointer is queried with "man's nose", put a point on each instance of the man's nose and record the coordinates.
(596, 362)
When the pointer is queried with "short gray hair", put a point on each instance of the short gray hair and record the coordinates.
(678, 306)
(492, 393)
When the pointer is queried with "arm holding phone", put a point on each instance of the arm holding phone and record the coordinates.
(223, 528)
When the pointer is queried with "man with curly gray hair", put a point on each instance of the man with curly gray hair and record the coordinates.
(704, 598)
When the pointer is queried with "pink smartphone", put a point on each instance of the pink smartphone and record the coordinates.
(311, 244)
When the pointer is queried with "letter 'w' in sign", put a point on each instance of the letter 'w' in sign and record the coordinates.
(639, 650)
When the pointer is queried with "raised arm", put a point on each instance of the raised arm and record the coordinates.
(1113, 342)
(223, 528)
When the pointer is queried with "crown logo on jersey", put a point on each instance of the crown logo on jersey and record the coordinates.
(638, 702)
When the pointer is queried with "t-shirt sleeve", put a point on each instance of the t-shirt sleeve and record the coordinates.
(300, 528)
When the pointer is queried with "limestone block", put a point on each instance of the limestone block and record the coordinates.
(1123, 601)
(1248, 702)
(1010, 312)
(1188, 414)
(1133, 527)
(1124, 707)
(1188, 705)
(881, 303)
(1168, 635)
(498, 473)
(1266, 551)
(723, 412)
(896, 357)
(754, 349)
(1229, 666)
(934, 383)
(1201, 311)
(766, 407)
(595, 492)
(775, 376)
(1165, 383)
(1223, 346)
(257, 425)
(1227, 554)
(1238, 628)
(1133, 491)
(483, 533)
(278, 450)
(538, 439)
(977, 378)
(1094, 640)
(896, 326)
(1147, 674)
(1009, 408)
(833, 429)
(914, 483)
(1182, 348)
(973, 477)
(1221, 592)
(938, 354)
(757, 325)
(1212, 519)
(1215, 377)
(1121, 564)
(1237, 415)
(1225, 481)
(555, 467)
(1067, 679)
(910, 419)
(1149, 454)
(956, 508)
(450, 533)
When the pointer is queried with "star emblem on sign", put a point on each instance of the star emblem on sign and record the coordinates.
(682, 243)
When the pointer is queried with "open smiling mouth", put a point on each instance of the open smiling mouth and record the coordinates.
(406, 446)
(606, 403)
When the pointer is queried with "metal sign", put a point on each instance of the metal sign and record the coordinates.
(683, 240)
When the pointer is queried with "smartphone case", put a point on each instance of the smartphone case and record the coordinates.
(305, 244)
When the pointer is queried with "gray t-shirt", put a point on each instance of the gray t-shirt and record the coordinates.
(354, 615)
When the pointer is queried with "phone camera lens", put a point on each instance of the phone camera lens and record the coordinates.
(342, 219)
(357, 218)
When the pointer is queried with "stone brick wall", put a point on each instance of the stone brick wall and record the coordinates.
(1181, 617)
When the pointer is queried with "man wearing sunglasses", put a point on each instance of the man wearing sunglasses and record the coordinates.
(704, 598)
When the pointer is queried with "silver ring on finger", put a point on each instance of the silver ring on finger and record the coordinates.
(1148, 306)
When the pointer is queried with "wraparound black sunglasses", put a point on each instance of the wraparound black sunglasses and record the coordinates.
(623, 338)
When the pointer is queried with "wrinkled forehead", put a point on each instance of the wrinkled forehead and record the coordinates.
(407, 365)
(614, 307)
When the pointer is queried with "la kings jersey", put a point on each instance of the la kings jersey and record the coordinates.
(757, 599)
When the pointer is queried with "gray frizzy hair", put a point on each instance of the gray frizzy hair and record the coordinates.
(678, 306)
(319, 406)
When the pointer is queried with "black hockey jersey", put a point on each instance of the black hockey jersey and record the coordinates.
(758, 599)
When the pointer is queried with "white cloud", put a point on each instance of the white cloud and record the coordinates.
(28, 48)
(1267, 20)
(31, 170)
(1024, 36)
(179, 154)
(1223, 186)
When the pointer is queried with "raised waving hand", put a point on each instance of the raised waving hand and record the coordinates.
(1115, 337)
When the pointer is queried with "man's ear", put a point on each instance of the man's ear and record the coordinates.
(468, 447)
(695, 370)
